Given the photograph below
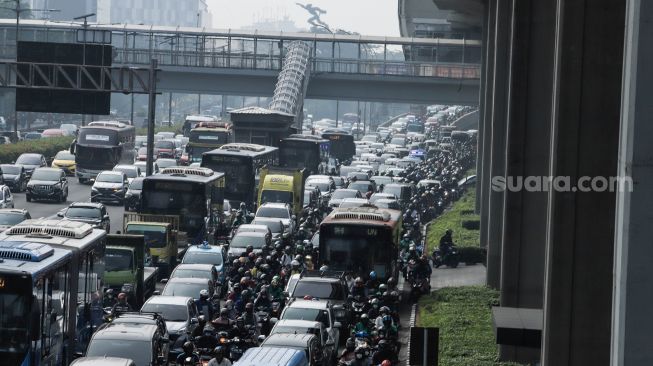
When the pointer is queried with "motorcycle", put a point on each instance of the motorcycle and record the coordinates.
(359, 307)
(263, 320)
(450, 260)
(418, 287)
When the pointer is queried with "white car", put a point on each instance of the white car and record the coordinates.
(131, 171)
(279, 211)
(6, 198)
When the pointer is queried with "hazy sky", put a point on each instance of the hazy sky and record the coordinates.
(368, 17)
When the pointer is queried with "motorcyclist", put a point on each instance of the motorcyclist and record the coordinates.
(363, 325)
(372, 282)
(249, 316)
(286, 258)
(189, 352)
(361, 357)
(405, 243)
(222, 322)
(276, 291)
(199, 329)
(218, 357)
(384, 352)
(204, 305)
(238, 220)
(295, 267)
(359, 288)
(233, 314)
(446, 242)
(263, 300)
(122, 305)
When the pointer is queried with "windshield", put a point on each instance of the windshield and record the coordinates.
(155, 236)
(396, 190)
(321, 290)
(242, 241)
(316, 315)
(299, 157)
(341, 194)
(136, 184)
(165, 163)
(118, 260)
(184, 289)
(296, 330)
(268, 196)
(356, 247)
(109, 178)
(10, 169)
(10, 219)
(279, 212)
(398, 141)
(275, 226)
(138, 351)
(197, 257)
(347, 204)
(29, 160)
(191, 273)
(84, 212)
(50, 175)
(239, 175)
(64, 155)
(362, 187)
(129, 171)
(323, 186)
(13, 322)
(176, 201)
(171, 313)
(164, 144)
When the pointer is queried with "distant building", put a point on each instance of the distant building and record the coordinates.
(273, 25)
(184, 13)
(67, 9)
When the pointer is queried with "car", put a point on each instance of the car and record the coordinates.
(328, 348)
(165, 163)
(69, 129)
(339, 181)
(12, 216)
(429, 183)
(48, 184)
(378, 196)
(6, 198)
(382, 179)
(142, 165)
(142, 318)
(110, 186)
(206, 254)
(340, 194)
(353, 202)
(254, 228)
(30, 162)
(275, 225)
(142, 343)
(240, 241)
(65, 161)
(190, 287)
(370, 138)
(314, 309)
(279, 211)
(163, 135)
(179, 312)
(363, 186)
(359, 175)
(32, 136)
(94, 214)
(141, 154)
(165, 149)
(131, 171)
(52, 132)
(102, 361)
(324, 285)
(308, 343)
(206, 271)
(274, 356)
(326, 186)
(133, 195)
(14, 177)
(392, 204)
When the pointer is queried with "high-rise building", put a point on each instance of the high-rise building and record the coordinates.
(184, 13)
(65, 9)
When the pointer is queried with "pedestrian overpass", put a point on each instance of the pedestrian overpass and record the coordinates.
(343, 66)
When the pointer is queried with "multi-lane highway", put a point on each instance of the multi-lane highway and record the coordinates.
(76, 193)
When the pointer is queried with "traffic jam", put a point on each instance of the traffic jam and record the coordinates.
(305, 253)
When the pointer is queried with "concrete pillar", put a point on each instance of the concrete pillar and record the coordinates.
(485, 119)
(529, 117)
(482, 129)
(500, 82)
(633, 292)
(587, 100)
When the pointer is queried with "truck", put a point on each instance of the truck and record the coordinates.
(282, 185)
(125, 269)
(160, 232)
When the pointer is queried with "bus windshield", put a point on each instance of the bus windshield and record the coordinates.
(299, 155)
(238, 171)
(13, 323)
(195, 152)
(357, 248)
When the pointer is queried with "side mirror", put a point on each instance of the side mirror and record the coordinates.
(260, 338)
(59, 214)
(273, 320)
(156, 292)
(107, 217)
(164, 280)
(165, 340)
(193, 321)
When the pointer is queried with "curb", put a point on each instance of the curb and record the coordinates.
(413, 319)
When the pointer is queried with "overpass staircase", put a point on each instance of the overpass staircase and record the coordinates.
(292, 83)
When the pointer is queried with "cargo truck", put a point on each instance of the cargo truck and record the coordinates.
(282, 185)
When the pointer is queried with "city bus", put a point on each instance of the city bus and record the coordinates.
(51, 288)
(305, 152)
(241, 164)
(193, 120)
(203, 139)
(102, 145)
(360, 240)
(195, 195)
(342, 145)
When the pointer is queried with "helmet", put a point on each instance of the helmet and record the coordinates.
(245, 294)
(201, 319)
(351, 344)
(249, 306)
(236, 287)
(364, 316)
(188, 347)
(224, 312)
(299, 257)
(122, 296)
(241, 270)
(294, 264)
(392, 282)
(375, 302)
(242, 205)
(240, 322)
(249, 249)
(387, 320)
(383, 287)
(373, 275)
(229, 304)
(386, 363)
(383, 344)
(274, 283)
(384, 310)
(218, 351)
(358, 281)
(204, 294)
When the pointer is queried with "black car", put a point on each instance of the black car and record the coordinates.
(91, 213)
(133, 195)
(14, 177)
(47, 184)
(31, 162)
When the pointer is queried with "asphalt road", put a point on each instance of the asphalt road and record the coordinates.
(76, 193)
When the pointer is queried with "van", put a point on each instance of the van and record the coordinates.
(273, 356)
(403, 191)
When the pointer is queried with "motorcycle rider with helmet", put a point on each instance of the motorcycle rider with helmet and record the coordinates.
(218, 357)
(189, 352)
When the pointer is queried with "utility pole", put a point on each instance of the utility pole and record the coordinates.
(85, 30)
(151, 109)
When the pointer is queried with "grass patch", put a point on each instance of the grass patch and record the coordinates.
(47, 146)
(462, 210)
(464, 317)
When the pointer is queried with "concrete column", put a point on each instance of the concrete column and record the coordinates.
(633, 292)
(499, 102)
(529, 117)
(484, 116)
(580, 241)
(481, 120)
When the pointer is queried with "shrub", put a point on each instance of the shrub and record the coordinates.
(48, 147)
(471, 224)
(472, 255)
